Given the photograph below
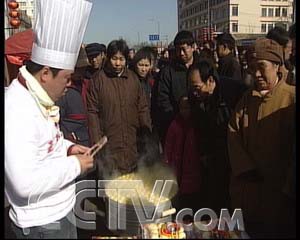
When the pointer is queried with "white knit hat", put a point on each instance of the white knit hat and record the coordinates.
(59, 29)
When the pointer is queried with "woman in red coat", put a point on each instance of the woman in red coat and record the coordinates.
(181, 153)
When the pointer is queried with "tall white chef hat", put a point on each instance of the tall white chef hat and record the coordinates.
(59, 30)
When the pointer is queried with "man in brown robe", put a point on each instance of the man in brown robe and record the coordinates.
(260, 141)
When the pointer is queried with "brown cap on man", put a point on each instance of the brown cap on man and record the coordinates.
(267, 49)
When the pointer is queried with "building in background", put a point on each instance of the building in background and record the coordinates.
(28, 6)
(242, 18)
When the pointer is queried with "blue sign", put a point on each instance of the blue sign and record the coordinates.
(154, 37)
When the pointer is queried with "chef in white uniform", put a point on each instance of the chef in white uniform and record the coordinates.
(40, 165)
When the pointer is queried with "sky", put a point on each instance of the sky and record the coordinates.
(133, 20)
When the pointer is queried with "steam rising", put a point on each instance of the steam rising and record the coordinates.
(150, 164)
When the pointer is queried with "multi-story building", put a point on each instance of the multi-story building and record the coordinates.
(242, 18)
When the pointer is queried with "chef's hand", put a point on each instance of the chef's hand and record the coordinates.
(86, 162)
(77, 149)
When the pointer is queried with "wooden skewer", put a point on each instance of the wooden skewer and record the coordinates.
(168, 212)
(94, 149)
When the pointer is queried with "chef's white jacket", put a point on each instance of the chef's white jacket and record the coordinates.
(39, 176)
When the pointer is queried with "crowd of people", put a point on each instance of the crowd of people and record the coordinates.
(224, 122)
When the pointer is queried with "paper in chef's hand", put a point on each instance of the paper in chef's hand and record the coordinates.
(96, 147)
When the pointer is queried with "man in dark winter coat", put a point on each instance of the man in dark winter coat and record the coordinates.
(172, 83)
(231, 83)
(73, 117)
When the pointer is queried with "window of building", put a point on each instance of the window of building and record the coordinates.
(226, 28)
(226, 11)
(279, 24)
(284, 12)
(277, 12)
(264, 28)
(263, 12)
(235, 10)
(270, 26)
(234, 27)
(270, 12)
(285, 26)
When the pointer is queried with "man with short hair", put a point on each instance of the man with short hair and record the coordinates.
(281, 36)
(229, 69)
(117, 107)
(40, 165)
(172, 83)
(260, 144)
(131, 54)
(291, 78)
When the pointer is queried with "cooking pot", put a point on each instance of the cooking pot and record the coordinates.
(125, 211)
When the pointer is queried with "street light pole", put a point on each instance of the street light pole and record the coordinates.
(158, 28)
(158, 24)
(158, 32)
(138, 33)
(208, 21)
